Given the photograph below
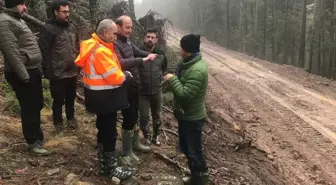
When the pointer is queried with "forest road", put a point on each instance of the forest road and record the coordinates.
(289, 113)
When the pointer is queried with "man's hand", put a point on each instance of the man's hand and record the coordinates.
(152, 56)
(167, 76)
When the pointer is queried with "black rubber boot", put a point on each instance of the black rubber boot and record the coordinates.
(109, 166)
(199, 178)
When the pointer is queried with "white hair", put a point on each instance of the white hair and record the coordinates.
(104, 24)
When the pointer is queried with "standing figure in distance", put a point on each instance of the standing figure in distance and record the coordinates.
(150, 90)
(23, 70)
(189, 87)
(59, 44)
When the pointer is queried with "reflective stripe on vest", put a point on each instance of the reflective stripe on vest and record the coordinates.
(102, 87)
(94, 76)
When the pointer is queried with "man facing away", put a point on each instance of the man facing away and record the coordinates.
(150, 87)
(59, 44)
(105, 93)
(131, 58)
(22, 70)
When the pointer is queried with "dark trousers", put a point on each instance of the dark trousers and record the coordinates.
(152, 102)
(30, 97)
(107, 131)
(63, 91)
(190, 140)
(130, 115)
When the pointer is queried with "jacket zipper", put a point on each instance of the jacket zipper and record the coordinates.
(151, 80)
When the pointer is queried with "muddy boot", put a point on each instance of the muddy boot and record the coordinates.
(58, 127)
(199, 178)
(127, 144)
(37, 148)
(72, 124)
(145, 133)
(137, 145)
(109, 166)
(156, 133)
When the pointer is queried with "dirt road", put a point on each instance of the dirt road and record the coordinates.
(286, 112)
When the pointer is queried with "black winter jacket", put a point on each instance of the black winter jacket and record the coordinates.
(151, 73)
(59, 44)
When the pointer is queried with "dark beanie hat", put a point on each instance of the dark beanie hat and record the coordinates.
(13, 3)
(191, 43)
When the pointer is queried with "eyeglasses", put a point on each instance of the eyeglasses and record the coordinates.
(65, 12)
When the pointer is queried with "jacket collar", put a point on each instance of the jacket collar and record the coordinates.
(155, 50)
(122, 38)
(58, 22)
(13, 12)
(100, 41)
(189, 62)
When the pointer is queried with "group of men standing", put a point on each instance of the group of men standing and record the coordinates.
(117, 76)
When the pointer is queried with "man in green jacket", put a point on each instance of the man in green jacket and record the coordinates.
(189, 86)
(22, 70)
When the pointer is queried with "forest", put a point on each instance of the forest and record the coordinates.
(294, 32)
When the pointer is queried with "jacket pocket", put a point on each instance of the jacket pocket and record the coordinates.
(25, 58)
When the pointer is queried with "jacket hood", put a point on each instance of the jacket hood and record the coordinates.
(87, 47)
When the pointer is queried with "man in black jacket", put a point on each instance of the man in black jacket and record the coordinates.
(131, 58)
(22, 70)
(59, 44)
(150, 87)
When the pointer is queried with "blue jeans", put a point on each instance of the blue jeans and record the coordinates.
(190, 141)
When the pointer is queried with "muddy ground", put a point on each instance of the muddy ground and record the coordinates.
(268, 124)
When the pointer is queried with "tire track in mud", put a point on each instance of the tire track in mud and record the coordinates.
(301, 118)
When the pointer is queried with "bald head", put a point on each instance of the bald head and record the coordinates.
(125, 25)
(107, 30)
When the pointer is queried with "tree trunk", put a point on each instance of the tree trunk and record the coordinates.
(228, 40)
(286, 35)
(246, 28)
(241, 33)
(332, 38)
(311, 53)
(302, 50)
(131, 8)
(274, 33)
(265, 29)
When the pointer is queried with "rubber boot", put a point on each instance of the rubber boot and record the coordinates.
(145, 132)
(137, 145)
(199, 178)
(156, 133)
(127, 144)
(109, 166)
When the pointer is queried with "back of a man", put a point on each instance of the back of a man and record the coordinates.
(22, 70)
(59, 44)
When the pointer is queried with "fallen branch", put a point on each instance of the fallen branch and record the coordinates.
(177, 164)
(170, 131)
(167, 109)
(47, 105)
(166, 138)
(79, 97)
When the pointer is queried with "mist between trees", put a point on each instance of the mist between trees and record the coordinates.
(294, 32)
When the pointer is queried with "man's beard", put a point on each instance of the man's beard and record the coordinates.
(149, 44)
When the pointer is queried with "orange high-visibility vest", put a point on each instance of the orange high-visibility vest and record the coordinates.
(100, 65)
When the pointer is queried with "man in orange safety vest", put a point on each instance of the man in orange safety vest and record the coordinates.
(105, 93)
